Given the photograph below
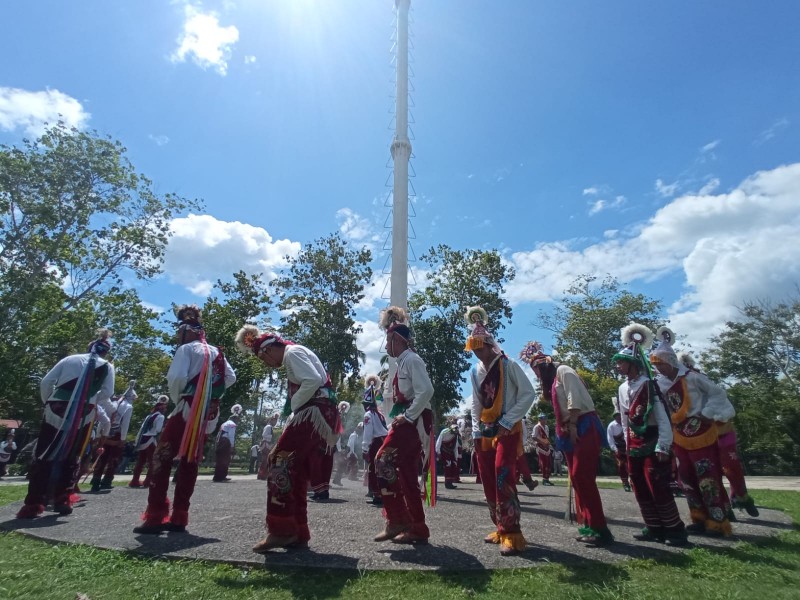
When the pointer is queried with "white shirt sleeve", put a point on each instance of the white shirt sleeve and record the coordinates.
(366, 441)
(178, 374)
(610, 435)
(103, 421)
(423, 388)
(125, 423)
(716, 406)
(524, 396)
(302, 371)
(439, 441)
(230, 375)
(158, 424)
(664, 443)
(48, 383)
(351, 442)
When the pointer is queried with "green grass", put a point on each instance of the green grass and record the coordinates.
(34, 570)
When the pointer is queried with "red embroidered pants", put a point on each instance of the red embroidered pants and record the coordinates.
(700, 473)
(582, 463)
(321, 468)
(545, 464)
(523, 470)
(498, 469)
(143, 457)
(732, 466)
(157, 511)
(651, 487)
(62, 475)
(397, 466)
(224, 452)
(107, 463)
(451, 467)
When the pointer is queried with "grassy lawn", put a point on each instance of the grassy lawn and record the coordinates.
(38, 571)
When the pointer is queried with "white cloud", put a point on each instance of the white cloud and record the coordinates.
(730, 247)
(771, 131)
(354, 227)
(158, 140)
(710, 146)
(710, 185)
(601, 205)
(23, 109)
(666, 190)
(205, 41)
(591, 191)
(249, 59)
(370, 341)
(203, 249)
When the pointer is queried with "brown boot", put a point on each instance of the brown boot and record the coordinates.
(390, 533)
(274, 541)
(409, 538)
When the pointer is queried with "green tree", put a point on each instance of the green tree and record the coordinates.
(319, 291)
(587, 324)
(77, 222)
(455, 280)
(245, 299)
(758, 357)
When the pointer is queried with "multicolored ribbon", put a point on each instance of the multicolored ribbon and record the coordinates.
(194, 435)
(431, 482)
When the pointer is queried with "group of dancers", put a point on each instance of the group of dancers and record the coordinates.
(667, 409)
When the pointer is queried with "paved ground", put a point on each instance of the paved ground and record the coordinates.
(228, 518)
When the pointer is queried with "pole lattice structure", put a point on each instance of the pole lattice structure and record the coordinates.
(401, 153)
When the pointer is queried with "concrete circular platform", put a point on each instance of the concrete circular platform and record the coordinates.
(228, 518)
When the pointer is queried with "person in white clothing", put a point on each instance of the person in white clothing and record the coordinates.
(314, 422)
(7, 446)
(197, 380)
(501, 397)
(267, 443)
(70, 391)
(407, 444)
(615, 433)
(448, 451)
(226, 442)
(146, 441)
(353, 452)
(544, 449)
(375, 433)
(114, 443)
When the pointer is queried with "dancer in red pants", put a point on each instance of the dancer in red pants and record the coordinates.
(375, 433)
(197, 379)
(314, 422)
(146, 442)
(448, 450)
(501, 397)
(407, 446)
(579, 434)
(544, 450)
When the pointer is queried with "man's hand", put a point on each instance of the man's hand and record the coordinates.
(399, 420)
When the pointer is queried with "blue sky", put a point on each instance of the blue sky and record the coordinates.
(658, 142)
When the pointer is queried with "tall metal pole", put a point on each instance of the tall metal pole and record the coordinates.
(401, 152)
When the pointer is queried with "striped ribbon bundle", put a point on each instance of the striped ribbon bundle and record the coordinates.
(194, 435)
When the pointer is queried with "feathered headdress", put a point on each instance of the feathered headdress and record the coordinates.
(162, 399)
(236, 410)
(395, 318)
(343, 407)
(635, 338)
(372, 381)
(189, 314)
(250, 340)
(533, 354)
(687, 360)
(372, 393)
(477, 319)
(664, 354)
(102, 341)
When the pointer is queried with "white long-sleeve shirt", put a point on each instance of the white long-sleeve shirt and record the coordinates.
(707, 399)
(303, 368)
(228, 430)
(147, 437)
(658, 416)
(121, 418)
(571, 393)
(187, 364)
(266, 435)
(614, 429)
(352, 444)
(447, 435)
(373, 428)
(414, 383)
(70, 368)
(518, 395)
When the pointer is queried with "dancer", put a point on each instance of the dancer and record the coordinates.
(197, 379)
(322, 461)
(407, 444)
(7, 446)
(648, 441)
(523, 470)
(696, 405)
(267, 443)
(579, 434)
(146, 442)
(353, 452)
(226, 441)
(729, 457)
(501, 397)
(314, 422)
(544, 450)
(375, 433)
(615, 433)
(70, 391)
(448, 450)
(114, 444)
